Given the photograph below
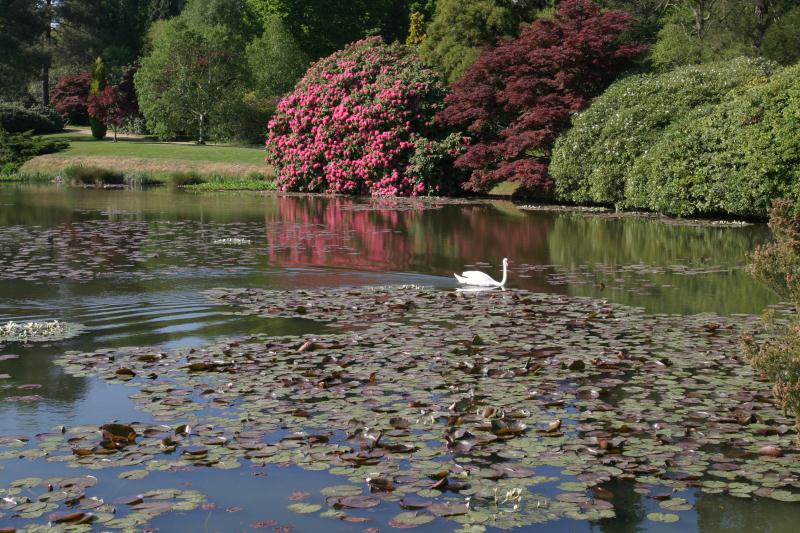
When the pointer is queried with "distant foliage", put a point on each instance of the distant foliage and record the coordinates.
(324, 26)
(360, 122)
(16, 148)
(70, 97)
(276, 61)
(459, 29)
(96, 87)
(734, 158)
(17, 118)
(782, 39)
(519, 95)
(592, 161)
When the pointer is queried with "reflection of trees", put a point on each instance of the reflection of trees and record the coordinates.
(34, 366)
(630, 512)
(334, 232)
(718, 512)
(578, 240)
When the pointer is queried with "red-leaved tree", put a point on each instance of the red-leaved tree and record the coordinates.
(520, 94)
(110, 108)
(70, 97)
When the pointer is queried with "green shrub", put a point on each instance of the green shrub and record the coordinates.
(16, 148)
(181, 179)
(91, 175)
(141, 179)
(731, 158)
(778, 265)
(590, 162)
(253, 181)
(16, 118)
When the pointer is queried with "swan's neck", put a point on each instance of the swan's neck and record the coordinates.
(505, 275)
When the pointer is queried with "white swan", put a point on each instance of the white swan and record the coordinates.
(479, 279)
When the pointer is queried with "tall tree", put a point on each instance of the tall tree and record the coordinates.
(782, 39)
(276, 61)
(235, 15)
(459, 29)
(112, 29)
(324, 26)
(192, 81)
(163, 9)
(96, 88)
(22, 27)
(697, 31)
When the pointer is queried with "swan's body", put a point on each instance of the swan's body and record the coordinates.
(481, 279)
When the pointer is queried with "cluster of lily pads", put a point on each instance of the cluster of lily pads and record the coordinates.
(499, 409)
(66, 506)
(234, 241)
(38, 331)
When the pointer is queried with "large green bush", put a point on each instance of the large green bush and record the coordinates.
(16, 148)
(16, 118)
(591, 161)
(733, 158)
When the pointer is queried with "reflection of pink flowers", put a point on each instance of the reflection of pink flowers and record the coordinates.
(394, 235)
(353, 124)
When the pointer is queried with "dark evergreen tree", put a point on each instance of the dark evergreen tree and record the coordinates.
(22, 27)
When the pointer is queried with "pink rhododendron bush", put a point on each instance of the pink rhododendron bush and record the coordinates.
(361, 122)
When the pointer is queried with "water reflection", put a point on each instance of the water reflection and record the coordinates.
(694, 269)
(718, 513)
(336, 232)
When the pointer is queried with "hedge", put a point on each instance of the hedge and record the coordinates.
(591, 162)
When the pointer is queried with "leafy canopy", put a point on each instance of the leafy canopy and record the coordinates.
(324, 26)
(519, 95)
(193, 80)
(459, 29)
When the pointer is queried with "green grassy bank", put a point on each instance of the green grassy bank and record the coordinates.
(145, 160)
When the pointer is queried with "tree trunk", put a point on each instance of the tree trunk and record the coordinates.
(200, 139)
(45, 81)
(45, 74)
(762, 16)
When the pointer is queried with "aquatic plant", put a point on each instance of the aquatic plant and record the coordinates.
(233, 241)
(38, 331)
(92, 175)
(457, 406)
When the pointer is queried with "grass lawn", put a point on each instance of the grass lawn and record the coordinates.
(145, 155)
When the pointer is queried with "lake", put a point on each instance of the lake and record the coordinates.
(293, 363)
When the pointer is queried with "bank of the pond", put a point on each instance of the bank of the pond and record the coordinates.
(143, 160)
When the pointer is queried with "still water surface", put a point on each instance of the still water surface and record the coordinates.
(131, 267)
